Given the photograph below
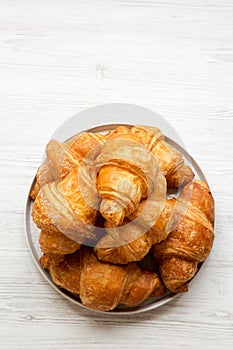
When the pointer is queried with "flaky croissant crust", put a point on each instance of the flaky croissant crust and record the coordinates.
(127, 172)
(170, 160)
(191, 241)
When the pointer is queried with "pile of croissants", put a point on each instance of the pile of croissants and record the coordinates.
(101, 204)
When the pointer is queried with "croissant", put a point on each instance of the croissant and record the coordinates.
(55, 245)
(49, 259)
(63, 157)
(133, 240)
(55, 242)
(191, 241)
(169, 159)
(126, 174)
(69, 206)
(103, 286)
(86, 142)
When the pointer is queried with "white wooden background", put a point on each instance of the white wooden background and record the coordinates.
(60, 57)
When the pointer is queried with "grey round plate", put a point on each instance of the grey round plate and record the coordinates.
(32, 235)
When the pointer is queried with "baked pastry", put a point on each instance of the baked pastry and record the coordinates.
(63, 157)
(191, 241)
(55, 242)
(127, 172)
(67, 207)
(49, 259)
(143, 228)
(100, 285)
(109, 192)
(170, 160)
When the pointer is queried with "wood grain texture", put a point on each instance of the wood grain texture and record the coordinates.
(60, 57)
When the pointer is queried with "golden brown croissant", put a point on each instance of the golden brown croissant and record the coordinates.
(133, 240)
(55, 242)
(126, 174)
(55, 245)
(85, 142)
(103, 286)
(63, 157)
(169, 159)
(67, 207)
(49, 259)
(192, 239)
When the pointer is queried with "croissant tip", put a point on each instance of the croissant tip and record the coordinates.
(201, 183)
(51, 142)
